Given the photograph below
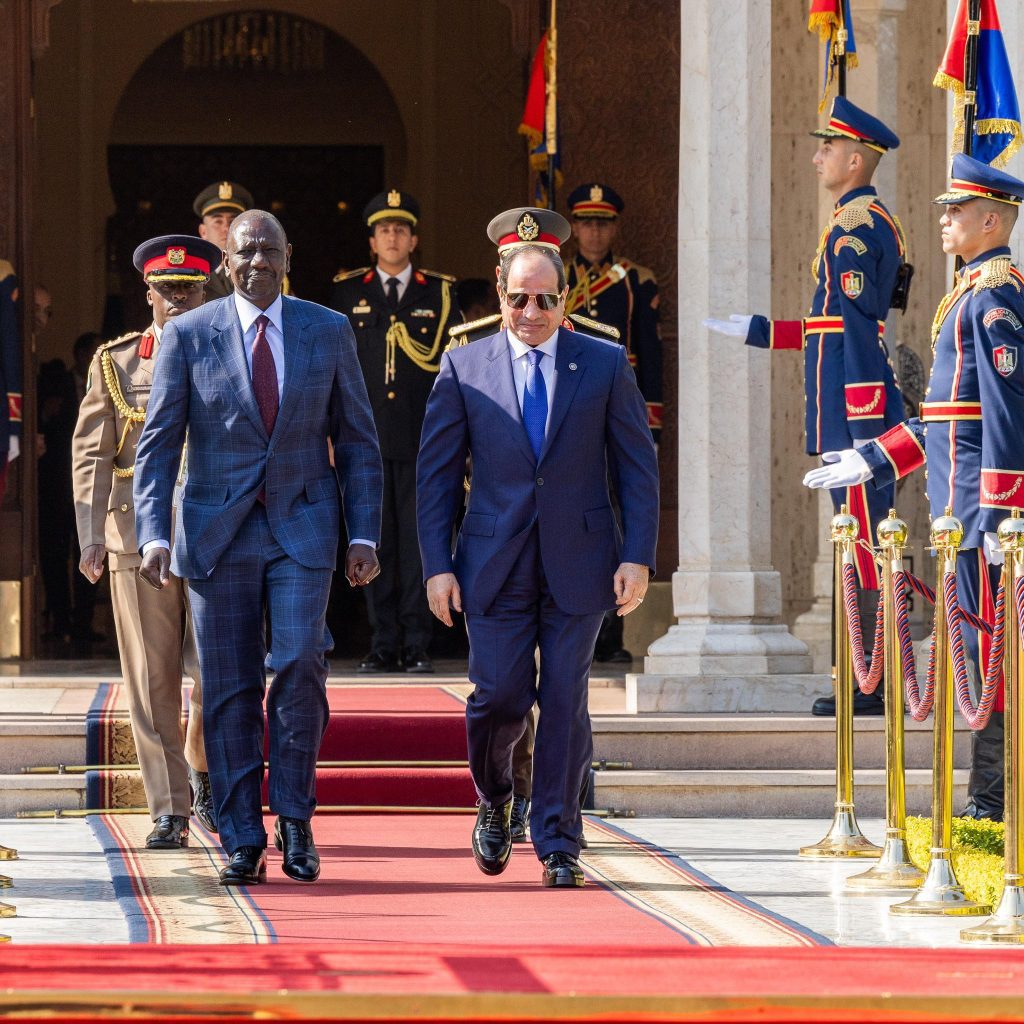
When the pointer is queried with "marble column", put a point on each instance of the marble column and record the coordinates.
(727, 650)
(873, 85)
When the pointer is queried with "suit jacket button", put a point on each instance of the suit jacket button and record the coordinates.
(423, 330)
(540, 481)
(124, 506)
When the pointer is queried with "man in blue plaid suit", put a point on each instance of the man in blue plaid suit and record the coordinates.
(258, 382)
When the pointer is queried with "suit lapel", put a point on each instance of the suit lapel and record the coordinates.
(569, 369)
(503, 387)
(230, 348)
(297, 351)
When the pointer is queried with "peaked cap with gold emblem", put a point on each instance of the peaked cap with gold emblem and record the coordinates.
(595, 200)
(528, 225)
(222, 197)
(391, 205)
(176, 258)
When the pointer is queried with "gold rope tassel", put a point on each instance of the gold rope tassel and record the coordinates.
(398, 337)
(131, 414)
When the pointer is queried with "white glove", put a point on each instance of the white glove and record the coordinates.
(13, 448)
(994, 554)
(736, 326)
(845, 469)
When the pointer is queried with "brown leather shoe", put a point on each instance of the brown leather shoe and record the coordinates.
(170, 832)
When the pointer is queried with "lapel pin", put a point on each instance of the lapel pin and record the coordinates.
(572, 366)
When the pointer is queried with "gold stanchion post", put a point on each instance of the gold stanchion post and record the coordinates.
(941, 894)
(6, 853)
(894, 870)
(1006, 925)
(844, 838)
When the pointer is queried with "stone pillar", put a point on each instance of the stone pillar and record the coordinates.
(873, 85)
(727, 650)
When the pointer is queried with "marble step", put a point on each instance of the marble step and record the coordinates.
(726, 741)
(40, 793)
(776, 793)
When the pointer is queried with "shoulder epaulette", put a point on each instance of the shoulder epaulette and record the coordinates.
(595, 325)
(130, 336)
(996, 272)
(855, 214)
(451, 278)
(644, 274)
(6, 270)
(344, 275)
(474, 325)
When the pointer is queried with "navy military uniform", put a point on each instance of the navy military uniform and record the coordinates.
(620, 293)
(849, 385)
(221, 197)
(969, 432)
(10, 367)
(400, 348)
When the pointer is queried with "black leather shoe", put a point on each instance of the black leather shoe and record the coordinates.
(520, 818)
(416, 662)
(863, 704)
(294, 838)
(247, 866)
(170, 832)
(619, 656)
(378, 661)
(202, 798)
(985, 786)
(562, 871)
(492, 838)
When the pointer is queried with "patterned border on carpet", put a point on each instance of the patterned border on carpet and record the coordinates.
(174, 896)
(666, 887)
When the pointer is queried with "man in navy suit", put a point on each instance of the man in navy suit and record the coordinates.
(258, 382)
(546, 415)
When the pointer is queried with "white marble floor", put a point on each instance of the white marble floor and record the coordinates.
(757, 858)
(62, 890)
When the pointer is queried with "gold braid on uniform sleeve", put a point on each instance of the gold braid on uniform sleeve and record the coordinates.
(398, 337)
(131, 414)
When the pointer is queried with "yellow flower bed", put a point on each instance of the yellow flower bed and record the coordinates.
(977, 854)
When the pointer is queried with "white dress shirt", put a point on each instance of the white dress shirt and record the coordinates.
(404, 277)
(247, 315)
(518, 350)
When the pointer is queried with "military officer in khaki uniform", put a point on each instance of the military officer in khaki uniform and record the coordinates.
(152, 625)
(216, 207)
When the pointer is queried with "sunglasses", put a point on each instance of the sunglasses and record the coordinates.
(544, 300)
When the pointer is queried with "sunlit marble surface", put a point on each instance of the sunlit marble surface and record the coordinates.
(757, 858)
(62, 889)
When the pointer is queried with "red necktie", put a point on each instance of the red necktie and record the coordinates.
(264, 375)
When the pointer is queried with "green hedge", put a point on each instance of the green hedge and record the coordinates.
(977, 854)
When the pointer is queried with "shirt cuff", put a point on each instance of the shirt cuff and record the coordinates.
(150, 544)
(359, 540)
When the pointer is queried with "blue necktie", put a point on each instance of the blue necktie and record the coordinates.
(535, 402)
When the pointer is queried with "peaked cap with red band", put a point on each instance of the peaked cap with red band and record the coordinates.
(528, 225)
(848, 121)
(176, 258)
(972, 179)
(595, 202)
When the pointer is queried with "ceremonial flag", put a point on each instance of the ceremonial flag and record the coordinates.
(537, 114)
(997, 133)
(828, 18)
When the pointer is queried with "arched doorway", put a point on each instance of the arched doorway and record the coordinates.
(277, 102)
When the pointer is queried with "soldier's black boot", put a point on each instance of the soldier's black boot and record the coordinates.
(985, 785)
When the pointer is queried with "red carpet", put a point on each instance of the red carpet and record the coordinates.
(465, 982)
(385, 724)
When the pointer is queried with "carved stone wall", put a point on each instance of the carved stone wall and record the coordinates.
(619, 122)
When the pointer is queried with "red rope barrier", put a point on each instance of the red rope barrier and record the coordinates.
(919, 705)
(867, 678)
(976, 717)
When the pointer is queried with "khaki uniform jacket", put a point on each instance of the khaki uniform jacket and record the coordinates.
(103, 447)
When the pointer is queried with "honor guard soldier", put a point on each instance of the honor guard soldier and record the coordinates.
(401, 315)
(622, 293)
(216, 207)
(10, 372)
(969, 428)
(153, 632)
(526, 226)
(850, 389)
